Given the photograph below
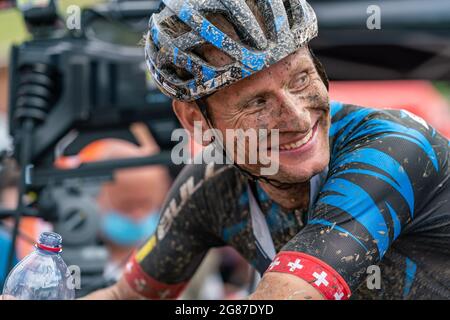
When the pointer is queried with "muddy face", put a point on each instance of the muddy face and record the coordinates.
(288, 96)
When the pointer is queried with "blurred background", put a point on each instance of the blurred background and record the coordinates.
(383, 54)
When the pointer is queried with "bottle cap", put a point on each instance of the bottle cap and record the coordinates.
(50, 241)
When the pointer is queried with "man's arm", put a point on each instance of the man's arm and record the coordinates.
(273, 286)
(119, 291)
(281, 286)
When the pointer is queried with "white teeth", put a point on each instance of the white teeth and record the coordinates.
(297, 144)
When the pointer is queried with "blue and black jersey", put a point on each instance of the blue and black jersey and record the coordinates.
(384, 201)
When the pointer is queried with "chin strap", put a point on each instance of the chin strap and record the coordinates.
(203, 107)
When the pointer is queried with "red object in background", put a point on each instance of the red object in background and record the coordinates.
(6, 4)
(418, 97)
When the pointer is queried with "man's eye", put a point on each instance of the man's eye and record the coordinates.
(257, 103)
(300, 81)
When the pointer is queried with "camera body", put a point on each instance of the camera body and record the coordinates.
(76, 84)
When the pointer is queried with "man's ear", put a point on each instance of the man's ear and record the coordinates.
(188, 113)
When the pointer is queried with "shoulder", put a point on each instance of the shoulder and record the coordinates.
(387, 151)
(205, 186)
(397, 130)
(207, 175)
(201, 193)
(348, 119)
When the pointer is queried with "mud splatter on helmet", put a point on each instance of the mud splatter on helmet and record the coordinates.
(288, 25)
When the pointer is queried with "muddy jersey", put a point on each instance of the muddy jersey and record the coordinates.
(377, 226)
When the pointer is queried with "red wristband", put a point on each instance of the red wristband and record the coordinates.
(316, 272)
(148, 287)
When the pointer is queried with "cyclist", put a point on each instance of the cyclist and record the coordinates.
(356, 187)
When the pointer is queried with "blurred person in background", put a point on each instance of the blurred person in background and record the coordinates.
(129, 205)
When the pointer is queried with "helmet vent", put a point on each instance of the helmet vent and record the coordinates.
(288, 8)
(231, 26)
(181, 74)
(174, 27)
(222, 22)
(257, 11)
(211, 55)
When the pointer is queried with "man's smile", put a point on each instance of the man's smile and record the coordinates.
(301, 142)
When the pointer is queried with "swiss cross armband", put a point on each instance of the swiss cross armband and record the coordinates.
(147, 286)
(314, 271)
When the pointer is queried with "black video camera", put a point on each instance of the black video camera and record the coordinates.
(86, 83)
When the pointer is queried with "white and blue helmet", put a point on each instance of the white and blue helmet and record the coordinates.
(289, 25)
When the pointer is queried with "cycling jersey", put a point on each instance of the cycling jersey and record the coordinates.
(384, 201)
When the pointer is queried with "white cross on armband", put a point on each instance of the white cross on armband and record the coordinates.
(274, 263)
(321, 279)
(140, 284)
(295, 265)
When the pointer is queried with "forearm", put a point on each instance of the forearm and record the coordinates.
(281, 286)
(119, 291)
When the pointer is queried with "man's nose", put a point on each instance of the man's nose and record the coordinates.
(294, 114)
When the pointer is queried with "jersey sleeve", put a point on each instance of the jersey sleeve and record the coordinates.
(162, 267)
(385, 166)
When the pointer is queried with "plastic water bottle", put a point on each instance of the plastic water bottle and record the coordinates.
(42, 275)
